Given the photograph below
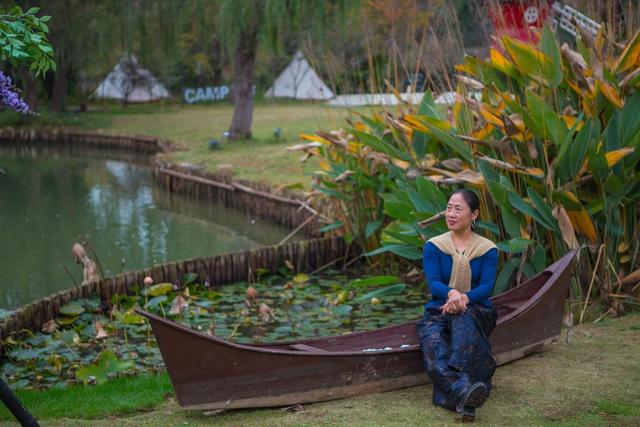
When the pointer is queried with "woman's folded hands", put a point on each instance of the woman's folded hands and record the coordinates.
(456, 302)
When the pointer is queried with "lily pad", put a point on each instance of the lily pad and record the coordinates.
(71, 310)
(156, 301)
(301, 278)
(159, 289)
(106, 364)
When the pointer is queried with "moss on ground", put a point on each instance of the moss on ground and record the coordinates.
(592, 381)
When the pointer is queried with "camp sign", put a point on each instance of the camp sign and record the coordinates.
(203, 94)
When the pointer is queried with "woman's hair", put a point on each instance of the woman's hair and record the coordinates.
(470, 197)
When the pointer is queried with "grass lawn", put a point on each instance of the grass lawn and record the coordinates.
(592, 381)
(263, 158)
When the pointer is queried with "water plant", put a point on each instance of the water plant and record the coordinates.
(549, 137)
(87, 344)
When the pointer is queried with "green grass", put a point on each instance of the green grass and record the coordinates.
(262, 158)
(592, 381)
(118, 396)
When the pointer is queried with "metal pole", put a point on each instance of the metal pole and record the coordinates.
(16, 407)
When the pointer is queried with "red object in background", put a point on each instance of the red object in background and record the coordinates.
(514, 18)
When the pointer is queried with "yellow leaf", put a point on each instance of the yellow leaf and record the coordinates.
(354, 147)
(526, 56)
(534, 172)
(464, 68)
(361, 127)
(570, 121)
(610, 93)
(471, 177)
(623, 247)
(415, 123)
(625, 259)
(483, 132)
(523, 231)
(566, 228)
(400, 163)
(324, 165)
(501, 63)
(629, 55)
(615, 156)
(583, 224)
(316, 138)
(500, 164)
(490, 117)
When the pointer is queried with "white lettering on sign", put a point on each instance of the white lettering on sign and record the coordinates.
(202, 94)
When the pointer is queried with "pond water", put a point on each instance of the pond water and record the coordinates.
(51, 199)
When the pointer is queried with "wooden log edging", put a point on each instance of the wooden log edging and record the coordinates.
(68, 136)
(282, 207)
(306, 256)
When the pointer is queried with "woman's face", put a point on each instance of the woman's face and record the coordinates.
(458, 214)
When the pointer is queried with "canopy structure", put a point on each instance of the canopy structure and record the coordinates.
(129, 82)
(299, 81)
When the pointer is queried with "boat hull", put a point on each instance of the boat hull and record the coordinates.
(212, 373)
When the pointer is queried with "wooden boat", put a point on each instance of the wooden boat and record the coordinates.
(213, 373)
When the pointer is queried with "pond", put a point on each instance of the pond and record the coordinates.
(87, 344)
(50, 199)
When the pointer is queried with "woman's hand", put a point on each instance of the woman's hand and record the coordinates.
(456, 302)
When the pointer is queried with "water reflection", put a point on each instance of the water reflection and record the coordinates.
(49, 201)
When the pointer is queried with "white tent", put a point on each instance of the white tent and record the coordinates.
(299, 81)
(129, 82)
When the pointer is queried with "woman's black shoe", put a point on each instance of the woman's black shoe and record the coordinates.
(473, 398)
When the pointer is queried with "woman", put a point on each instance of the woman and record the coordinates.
(460, 268)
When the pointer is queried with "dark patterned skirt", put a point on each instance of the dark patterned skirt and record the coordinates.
(456, 351)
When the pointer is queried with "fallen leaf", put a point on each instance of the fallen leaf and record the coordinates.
(178, 304)
(100, 332)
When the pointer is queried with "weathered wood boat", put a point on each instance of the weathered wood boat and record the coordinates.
(213, 373)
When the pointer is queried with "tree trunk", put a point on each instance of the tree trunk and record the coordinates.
(245, 57)
(60, 87)
(30, 87)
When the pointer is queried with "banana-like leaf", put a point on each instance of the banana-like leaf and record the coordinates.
(566, 228)
(629, 55)
(500, 164)
(432, 194)
(521, 205)
(405, 251)
(515, 245)
(609, 92)
(529, 60)
(543, 208)
(506, 275)
(613, 157)
(502, 64)
(399, 210)
(549, 45)
(543, 121)
(597, 162)
(572, 152)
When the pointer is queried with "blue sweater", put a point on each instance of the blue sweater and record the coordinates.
(437, 270)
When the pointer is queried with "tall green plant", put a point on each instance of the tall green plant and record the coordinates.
(547, 135)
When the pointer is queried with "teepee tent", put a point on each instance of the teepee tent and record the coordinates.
(299, 81)
(128, 82)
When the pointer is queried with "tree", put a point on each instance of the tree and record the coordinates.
(244, 24)
(23, 41)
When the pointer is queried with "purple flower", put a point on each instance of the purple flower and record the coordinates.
(10, 97)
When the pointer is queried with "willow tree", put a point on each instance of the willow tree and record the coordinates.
(246, 25)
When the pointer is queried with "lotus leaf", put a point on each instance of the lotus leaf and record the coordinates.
(159, 289)
(71, 310)
(301, 278)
